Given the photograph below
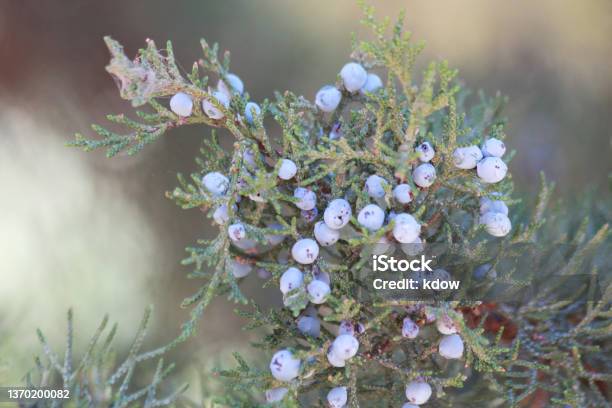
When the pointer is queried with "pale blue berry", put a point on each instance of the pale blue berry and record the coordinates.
(410, 329)
(345, 346)
(328, 98)
(251, 111)
(337, 214)
(324, 235)
(309, 325)
(291, 279)
(491, 169)
(371, 217)
(424, 175)
(467, 157)
(211, 110)
(425, 152)
(236, 232)
(284, 366)
(496, 224)
(318, 291)
(216, 183)
(451, 346)
(337, 397)
(307, 199)
(235, 85)
(240, 268)
(375, 186)
(305, 251)
(496, 206)
(406, 229)
(402, 193)
(418, 392)
(493, 147)
(181, 104)
(353, 76)
(373, 83)
(287, 169)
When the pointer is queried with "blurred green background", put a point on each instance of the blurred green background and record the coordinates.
(80, 230)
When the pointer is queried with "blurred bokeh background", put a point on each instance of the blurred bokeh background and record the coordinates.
(80, 230)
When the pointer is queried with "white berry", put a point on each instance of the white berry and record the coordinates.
(372, 84)
(216, 183)
(181, 104)
(496, 206)
(406, 229)
(402, 193)
(491, 169)
(496, 224)
(324, 235)
(371, 217)
(291, 279)
(305, 251)
(467, 157)
(287, 169)
(345, 346)
(493, 147)
(318, 291)
(235, 85)
(239, 268)
(337, 397)
(425, 151)
(424, 175)
(276, 394)
(307, 199)
(375, 186)
(220, 215)
(328, 98)
(409, 405)
(334, 360)
(418, 392)
(251, 111)
(236, 232)
(284, 366)
(353, 76)
(337, 214)
(211, 110)
(409, 328)
(309, 325)
(451, 346)
(445, 325)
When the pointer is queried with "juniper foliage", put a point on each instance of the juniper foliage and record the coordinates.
(541, 348)
(99, 378)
